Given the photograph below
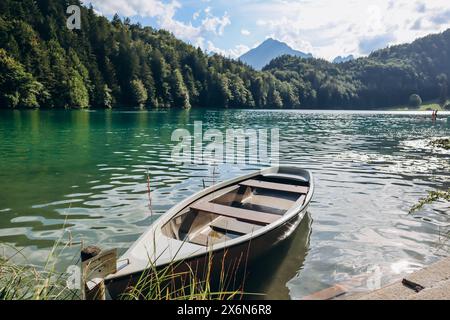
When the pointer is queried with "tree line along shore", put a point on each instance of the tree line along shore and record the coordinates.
(108, 64)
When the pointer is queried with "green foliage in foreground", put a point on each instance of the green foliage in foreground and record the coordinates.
(30, 283)
(19, 282)
(444, 233)
(432, 197)
(441, 143)
(116, 63)
(170, 284)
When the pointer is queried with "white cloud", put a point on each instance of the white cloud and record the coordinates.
(129, 8)
(329, 28)
(326, 28)
(164, 13)
(216, 25)
(196, 15)
(285, 30)
(235, 52)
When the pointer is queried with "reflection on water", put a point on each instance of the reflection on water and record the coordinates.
(86, 171)
(270, 273)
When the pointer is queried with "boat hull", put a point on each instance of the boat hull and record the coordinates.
(233, 261)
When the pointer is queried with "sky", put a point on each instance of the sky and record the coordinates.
(325, 28)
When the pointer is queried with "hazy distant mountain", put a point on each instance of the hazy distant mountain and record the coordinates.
(343, 59)
(269, 50)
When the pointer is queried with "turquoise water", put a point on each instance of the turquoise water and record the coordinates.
(85, 171)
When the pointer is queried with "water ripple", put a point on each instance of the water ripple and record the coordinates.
(87, 173)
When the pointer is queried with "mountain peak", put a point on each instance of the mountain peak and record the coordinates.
(269, 50)
(271, 40)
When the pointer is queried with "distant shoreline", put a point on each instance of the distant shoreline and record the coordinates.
(429, 106)
(400, 109)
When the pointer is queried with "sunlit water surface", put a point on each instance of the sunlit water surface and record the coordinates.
(86, 171)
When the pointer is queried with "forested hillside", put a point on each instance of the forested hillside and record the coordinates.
(110, 64)
(387, 77)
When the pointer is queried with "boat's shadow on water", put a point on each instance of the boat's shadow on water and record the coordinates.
(268, 275)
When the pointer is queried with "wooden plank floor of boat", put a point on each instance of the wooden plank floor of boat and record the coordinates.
(233, 225)
(238, 213)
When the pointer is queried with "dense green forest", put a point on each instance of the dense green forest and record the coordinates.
(387, 77)
(109, 64)
(115, 63)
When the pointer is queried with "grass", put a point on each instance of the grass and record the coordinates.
(183, 281)
(28, 282)
(176, 281)
(189, 283)
(34, 283)
(426, 106)
(431, 106)
(180, 280)
(31, 283)
(432, 197)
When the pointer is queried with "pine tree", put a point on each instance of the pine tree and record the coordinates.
(78, 93)
(274, 99)
(180, 92)
(139, 93)
(18, 88)
(107, 98)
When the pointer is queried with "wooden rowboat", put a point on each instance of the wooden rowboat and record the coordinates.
(251, 214)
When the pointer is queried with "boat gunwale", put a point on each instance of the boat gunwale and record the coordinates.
(155, 228)
(194, 257)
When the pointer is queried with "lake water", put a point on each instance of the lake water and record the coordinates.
(87, 171)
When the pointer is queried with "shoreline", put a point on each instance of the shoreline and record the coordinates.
(429, 283)
(127, 109)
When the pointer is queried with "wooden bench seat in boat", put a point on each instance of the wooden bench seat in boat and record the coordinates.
(233, 225)
(224, 224)
(204, 240)
(237, 213)
(274, 186)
